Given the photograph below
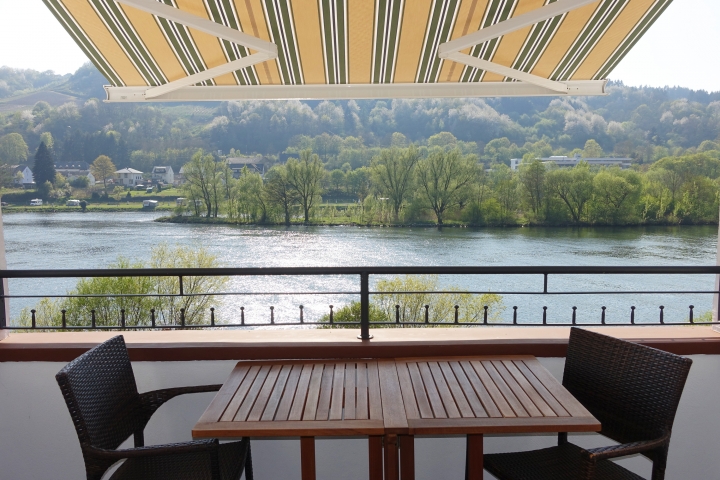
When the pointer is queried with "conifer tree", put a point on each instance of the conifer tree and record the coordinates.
(44, 168)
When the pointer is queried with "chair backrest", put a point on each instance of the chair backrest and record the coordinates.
(101, 394)
(633, 390)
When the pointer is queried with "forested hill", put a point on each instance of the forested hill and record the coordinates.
(643, 123)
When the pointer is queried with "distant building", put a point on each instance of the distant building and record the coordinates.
(73, 170)
(128, 177)
(254, 164)
(180, 176)
(163, 175)
(27, 180)
(563, 161)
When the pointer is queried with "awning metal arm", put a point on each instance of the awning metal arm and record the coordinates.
(264, 50)
(451, 50)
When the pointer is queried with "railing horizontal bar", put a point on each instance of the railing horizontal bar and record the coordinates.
(379, 270)
(500, 292)
(165, 295)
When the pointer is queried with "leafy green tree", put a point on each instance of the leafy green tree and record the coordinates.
(574, 186)
(616, 195)
(505, 187)
(445, 178)
(337, 179)
(305, 176)
(252, 204)
(359, 182)
(103, 169)
(592, 150)
(203, 181)
(531, 175)
(392, 173)
(279, 190)
(125, 294)
(44, 167)
(13, 149)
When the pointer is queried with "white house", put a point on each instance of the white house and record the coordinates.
(129, 177)
(163, 175)
(565, 161)
(74, 170)
(27, 179)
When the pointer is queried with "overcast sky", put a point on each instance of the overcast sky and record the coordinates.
(681, 49)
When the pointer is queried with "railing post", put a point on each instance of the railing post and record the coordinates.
(93, 321)
(242, 315)
(574, 315)
(692, 320)
(331, 315)
(427, 314)
(182, 317)
(364, 307)
(632, 315)
(544, 315)
(182, 291)
(545, 278)
(397, 313)
(152, 317)
(122, 317)
(34, 322)
(272, 315)
(662, 314)
(212, 316)
(602, 317)
(485, 315)
(456, 313)
(302, 318)
(515, 315)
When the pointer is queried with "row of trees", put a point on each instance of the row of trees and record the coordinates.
(407, 185)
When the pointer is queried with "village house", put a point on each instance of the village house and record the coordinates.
(22, 176)
(128, 177)
(163, 175)
(254, 164)
(74, 170)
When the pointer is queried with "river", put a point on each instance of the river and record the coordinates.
(94, 240)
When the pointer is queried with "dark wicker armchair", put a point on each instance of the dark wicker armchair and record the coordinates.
(633, 390)
(106, 408)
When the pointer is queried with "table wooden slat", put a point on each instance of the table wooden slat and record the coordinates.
(573, 407)
(489, 395)
(252, 394)
(349, 391)
(264, 395)
(456, 390)
(277, 392)
(449, 404)
(467, 389)
(237, 400)
(338, 387)
(289, 394)
(506, 391)
(361, 411)
(313, 395)
(531, 392)
(520, 394)
(423, 402)
(226, 393)
(406, 387)
(374, 402)
(432, 391)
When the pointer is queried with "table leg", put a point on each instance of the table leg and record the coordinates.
(391, 458)
(307, 458)
(474, 458)
(407, 457)
(375, 450)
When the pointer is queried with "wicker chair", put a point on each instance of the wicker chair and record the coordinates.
(633, 390)
(106, 408)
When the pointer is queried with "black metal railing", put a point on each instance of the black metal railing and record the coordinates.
(363, 274)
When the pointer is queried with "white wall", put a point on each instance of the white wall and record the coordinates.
(37, 439)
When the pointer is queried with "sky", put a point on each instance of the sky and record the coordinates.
(681, 49)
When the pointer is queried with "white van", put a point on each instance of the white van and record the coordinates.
(72, 203)
(149, 204)
(36, 202)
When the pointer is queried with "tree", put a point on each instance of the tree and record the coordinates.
(44, 168)
(103, 168)
(574, 186)
(393, 174)
(337, 179)
(13, 149)
(616, 194)
(592, 150)
(251, 199)
(305, 177)
(203, 181)
(532, 178)
(444, 178)
(506, 189)
(279, 190)
(47, 139)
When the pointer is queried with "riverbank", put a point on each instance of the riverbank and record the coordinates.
(346, 222)
(91, 207)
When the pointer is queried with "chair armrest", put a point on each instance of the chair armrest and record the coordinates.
(210, 445)
(151, 401)
(603, 453)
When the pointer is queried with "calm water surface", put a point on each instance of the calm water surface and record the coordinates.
(94, 240)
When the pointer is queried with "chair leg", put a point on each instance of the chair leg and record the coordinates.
(562, 438)
(248, 463)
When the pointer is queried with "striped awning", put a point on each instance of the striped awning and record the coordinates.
(235, 49)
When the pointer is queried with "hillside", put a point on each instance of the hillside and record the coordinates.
(643, 123)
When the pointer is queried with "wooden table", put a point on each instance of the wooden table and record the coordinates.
(479, 395)
(304, 399)
(391, 401)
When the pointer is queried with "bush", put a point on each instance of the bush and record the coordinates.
(80, 182)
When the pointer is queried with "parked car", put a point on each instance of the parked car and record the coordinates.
(149, 190)
(36, 202)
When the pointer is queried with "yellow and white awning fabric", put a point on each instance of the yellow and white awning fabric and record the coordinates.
(182, 50)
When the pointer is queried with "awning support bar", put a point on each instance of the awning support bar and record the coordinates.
(451, 50)
(264, 50)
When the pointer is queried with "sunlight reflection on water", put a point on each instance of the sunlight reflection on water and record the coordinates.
(94, 240)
